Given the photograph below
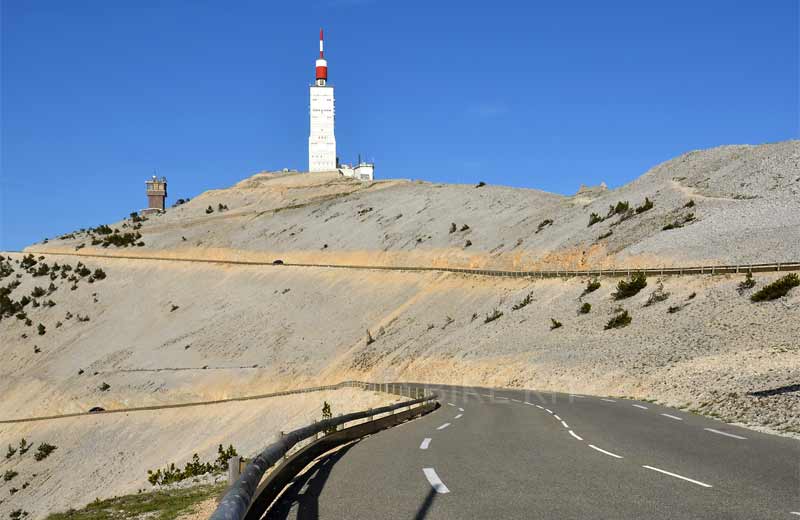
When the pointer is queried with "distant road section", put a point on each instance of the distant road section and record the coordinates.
(621, 271)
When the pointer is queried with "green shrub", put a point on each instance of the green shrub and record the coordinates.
(41, 329)
(9, 474)
(628, 288)
(11, 451)
(659, 295)
(468, 243)
(591, 286)
(525, 301)
(674, 309)
(453, 227)
(103, 386)
(43, 451)
(370, 339)
(585, 308)
(689, 204)
(496, 314)
(747, 283)
(679, 223)
(193, 468)
(543, 224)
(621, 319)
(38, 292)
(327, 414)
(620, 209)
(24, 446)
(554, 324)
(17, 514)
(209, 210)
(102, 230)
(605, 235)
(648, 205)
(99, 274)
(464, 227)
(594, 218)
(776, 289)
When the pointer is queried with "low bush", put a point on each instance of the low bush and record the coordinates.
(17, 514)
(370, 339)
(776, 289)
(326, 415)
(621, 319)
(453, 227)
(193, 468)
(24, 447)
(209, 210)
(11, 451)
(659, 295)
(746, 284)
(467, 243)
(585, 308)
(38, 292)
(646, 206)
(543, 224)
(628, 288)
(679, 223)
(591, 286)
(554, 324)
(605, 235)
(481, 184)
(43, 451)
(103, 386)
(621, 208)
(525, 301)
(689, 204)
(99, 274)
(9, 474)
(41, 329)
(691, 296)
(464, 227)
(222, 207)
(594, 218)
(674, 309)
(496, 314)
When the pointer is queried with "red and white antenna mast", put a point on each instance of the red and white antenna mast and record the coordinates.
(322, 63)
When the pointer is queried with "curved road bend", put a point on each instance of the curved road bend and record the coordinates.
(515, 454)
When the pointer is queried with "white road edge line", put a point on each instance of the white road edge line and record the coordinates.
(442, 427)
(557, 417)
(565, 424)
(539, 407)
(679, 476)
(425, 443)
(640, 406)
(515, 400)
(459, 416)
(460, 409)
(672, 417)
(712, 430)
(435, 481)
(450, 404)
(575, 435)
(608, 400)
(548, 410)
(531, 404)
(606, 452)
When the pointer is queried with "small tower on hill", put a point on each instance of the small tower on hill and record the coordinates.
(156, 193)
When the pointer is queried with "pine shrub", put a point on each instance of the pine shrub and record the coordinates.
(776, 289)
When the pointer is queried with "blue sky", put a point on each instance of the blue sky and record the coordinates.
(96, 95)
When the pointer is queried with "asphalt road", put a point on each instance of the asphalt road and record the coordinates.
(516, 454)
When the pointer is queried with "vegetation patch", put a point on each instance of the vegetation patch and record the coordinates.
(543, 224)
(193, 468)
(555, 324)
(594, 218)
(585, 308)
(525, 301)
(496, 314)
(746, 284)
(628, 288)
(679, 223)
(156, 505)
(659, 295)
(591, 286)
(776, 289)
(605, 235)
(647, 205)
(43, 451)
(621, 319)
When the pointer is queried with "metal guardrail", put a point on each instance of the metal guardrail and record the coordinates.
(558, 273)
(240, 495)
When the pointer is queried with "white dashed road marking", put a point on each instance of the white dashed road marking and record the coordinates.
(450, 404)
(460, 409)
(436, 482)
(712, 430)
(640, 406)
(531, 404)
(442, 427)
(515, 400)
(604, 451)
(672, 416)
(794, 513)
(539, 407)
(575, 435)
(548, 410)
(608, 400)
(565, 424)
(425, 443)
(679, 476)
(557, 417)
(459, 416)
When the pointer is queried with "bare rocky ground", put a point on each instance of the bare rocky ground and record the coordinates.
(174, 331)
